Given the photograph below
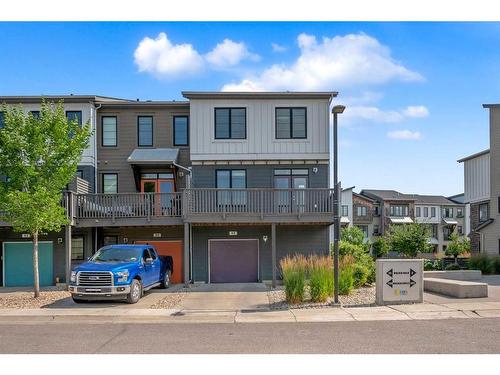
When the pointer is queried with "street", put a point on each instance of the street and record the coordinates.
(79, 337)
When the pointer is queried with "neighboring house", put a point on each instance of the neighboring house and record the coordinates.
(460, 199)
(226, 183)
(346, 211)
(477, 195)
(366, 216)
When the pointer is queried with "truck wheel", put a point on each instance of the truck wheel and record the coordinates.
(78, 300)
(166, 280)
(135, 292)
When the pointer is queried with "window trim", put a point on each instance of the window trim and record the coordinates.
(102, 131)
(102, 182)
(291, 122)
(479, 212)
(230, 123)
(81, 115)
(152, 131)
(230, 178)
(187, 130)
(83, 252)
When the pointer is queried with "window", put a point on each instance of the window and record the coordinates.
(74, 116)
(35, 114)
(291, 123)
(433, 211)
(460, 229)
(145, 131)
(230, 123)
(376, 211)
(417, 210)
(483, 212)
(361, 210)
(460, 212)
(376, 230)
(77, 248)
(181, 131)
(447, 231)
(110, 240)
(398, 210)
(345, 211)
(110, 183)
(79, 173)
(434, 228)
(231, 179)
(2, 120)
(448, 212)
(109, 131)
(426, 211)
(364, 228)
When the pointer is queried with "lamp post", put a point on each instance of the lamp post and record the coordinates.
(338, 109)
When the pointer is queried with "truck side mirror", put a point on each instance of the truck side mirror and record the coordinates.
(149, 260)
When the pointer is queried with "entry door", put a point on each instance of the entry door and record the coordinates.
(160, 204)
(288, 200)
(233, 261)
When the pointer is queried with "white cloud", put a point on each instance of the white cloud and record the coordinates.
(375, 114)
(229, 53)
(332, 63)
(405, 135)
(416, 111)
(166, 60)
(278, 47)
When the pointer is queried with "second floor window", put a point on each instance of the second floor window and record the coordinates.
(433, 211)
(434, 231)
(35, 114)
(109, 131)
(345, 210)
(145, 131)
(181, 132)
(376, 229)
(417, 212)
(448, 212)
(426, 211)
(483, 212)
(74, 116)
(460, 212)
(230, 123)
(291, 123)
(110, 183)
(364, 228)
(361, 210)
(231, 179)
(398, 211)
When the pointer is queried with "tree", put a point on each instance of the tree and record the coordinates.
(353, 235)
(38, 158)
(409, 239)
(459, 245)
(380, 247)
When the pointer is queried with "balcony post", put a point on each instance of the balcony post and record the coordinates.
(186, 255)
(68, 252)
(273, 253)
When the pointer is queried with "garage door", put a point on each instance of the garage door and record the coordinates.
(18, 263)
(233, 261)
(173, 249)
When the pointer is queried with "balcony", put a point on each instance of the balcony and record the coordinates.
(205, 206)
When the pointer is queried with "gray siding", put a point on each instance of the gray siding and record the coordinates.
(88, 174)
(143, 233)
(291, 239)
(258, 176)
(114, 159)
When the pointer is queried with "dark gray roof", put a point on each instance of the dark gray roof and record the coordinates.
(473, 156)
(458, 198)
(153, 156)
(433, 199)
(146, 103)
(19, 99)
(391, 195)
(259, 94)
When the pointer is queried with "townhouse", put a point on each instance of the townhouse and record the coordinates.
(225, 183)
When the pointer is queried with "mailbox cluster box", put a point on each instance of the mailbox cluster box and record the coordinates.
(400, 281)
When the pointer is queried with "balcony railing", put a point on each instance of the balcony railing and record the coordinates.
(205, 203)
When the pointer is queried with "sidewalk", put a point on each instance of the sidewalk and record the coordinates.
(424, 311)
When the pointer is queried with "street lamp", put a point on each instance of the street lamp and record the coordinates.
(338, 109)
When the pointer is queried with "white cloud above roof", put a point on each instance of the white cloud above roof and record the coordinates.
(229, 53)
(406, 135)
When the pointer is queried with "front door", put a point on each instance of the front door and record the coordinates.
(159, 201)
(290, 200)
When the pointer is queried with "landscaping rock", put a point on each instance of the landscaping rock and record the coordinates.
(170, 301)
(25, 300)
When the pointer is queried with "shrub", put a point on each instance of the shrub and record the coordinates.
(452, 267)
(360, 275)
(346, 274)
(409, 239)
(380, 247)
(432, 265)
(496, 265)
(320, 277)
(481, 262)
(294, 270)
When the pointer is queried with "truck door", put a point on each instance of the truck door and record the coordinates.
(156, 266)
(148, 268)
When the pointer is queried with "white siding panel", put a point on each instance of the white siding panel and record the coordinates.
(477, 178)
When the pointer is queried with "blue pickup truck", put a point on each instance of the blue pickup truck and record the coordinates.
(120, 272)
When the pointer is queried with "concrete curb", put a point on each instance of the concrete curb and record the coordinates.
(424, 311)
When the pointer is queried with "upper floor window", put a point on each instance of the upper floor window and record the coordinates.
(433, 211)
(417, 212)
(376, 211)
(74, 116)
(448, 212)
(398, 211)
(364, 228)
(2, 119)
(110, 183)
(460, 212)
(426, 211)
(291, 123)
(434, 229)
(231, 179)
(145, 131)
(483, 212)
(345, 210)
(230, 123)
(35, 114)
(181, 131)
(109, 130)
(361, 210)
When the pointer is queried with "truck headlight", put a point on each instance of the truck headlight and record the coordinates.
(73, 277)
(122, 275)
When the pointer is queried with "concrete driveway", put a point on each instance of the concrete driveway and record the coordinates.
(226, 297)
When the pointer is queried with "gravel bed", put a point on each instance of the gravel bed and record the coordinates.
(364, 296)
(25, 300)
(170, 301)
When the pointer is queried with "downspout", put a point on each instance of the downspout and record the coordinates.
(95, 165)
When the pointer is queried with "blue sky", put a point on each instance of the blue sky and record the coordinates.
(414, 90)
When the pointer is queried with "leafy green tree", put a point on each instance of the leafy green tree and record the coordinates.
(380, 247)
(353, 235)
(459, 245)
(38, 158)
(409, 239)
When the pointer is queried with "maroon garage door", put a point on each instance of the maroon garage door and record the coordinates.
(233, 261)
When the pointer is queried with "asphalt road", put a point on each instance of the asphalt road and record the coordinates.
(438, 336)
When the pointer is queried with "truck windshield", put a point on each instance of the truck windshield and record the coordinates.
(116, 254)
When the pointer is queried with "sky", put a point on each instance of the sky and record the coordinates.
(413, 91)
